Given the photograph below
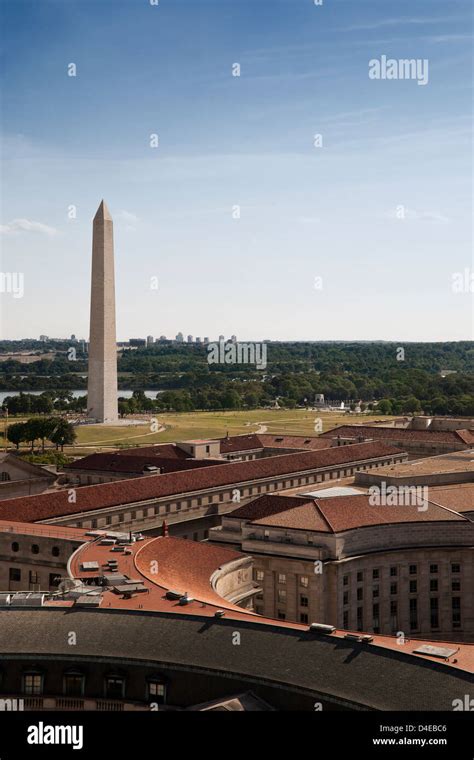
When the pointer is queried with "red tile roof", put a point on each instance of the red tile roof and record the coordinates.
(119, 462)
(457, 497)
(240, 443)
(147, 488)
(185, 566)
(335, 514)
(168, 450)
(253, 441)
(400, 434)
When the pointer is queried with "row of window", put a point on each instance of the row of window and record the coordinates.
(55, 551)
(15, 575)
(412, 569)
(250, 491)
(413, 615)
(259, 575)
(412, 589)
(74, 683)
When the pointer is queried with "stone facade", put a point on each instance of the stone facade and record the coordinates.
(102, 380)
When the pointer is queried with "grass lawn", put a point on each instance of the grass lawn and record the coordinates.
(207, 425)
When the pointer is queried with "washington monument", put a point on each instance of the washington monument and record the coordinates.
(102, 377)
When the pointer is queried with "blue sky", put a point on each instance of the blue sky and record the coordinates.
(305, 212)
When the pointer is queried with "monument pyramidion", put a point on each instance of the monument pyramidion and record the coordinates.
(102, 376)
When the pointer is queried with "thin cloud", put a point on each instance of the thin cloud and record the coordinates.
(17, 226)
(420, 216)
(406, 20)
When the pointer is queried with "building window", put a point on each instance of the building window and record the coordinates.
(375, 592)
(360, 576)
(434, 612)
(393, 571)
(281, 615)
(33, 683)
(394, 616)
(345, 619)
(282, 595)
(456, 611)
(413, 614)
(54, 579)
(393, 588)
(345, 597)
(360, 594)
(360, 618)
(259, 575)
(34, 577)
(413, 569)
(456, 584)
(35, 549)
(55, 551)
(433, 569)
(345, 580)
(455, 567)
(304, 617)
(433, 584)
(413, 587)
(5, 476)
(156, 690)
(304, 581)
(375, 575)
(73, 683)
(15, 546)
(15, 574)
(108, 520)
(375, 618)
(304, 601)
(281, 578)
(115, 687)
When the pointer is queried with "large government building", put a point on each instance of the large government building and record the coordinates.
(253, 572)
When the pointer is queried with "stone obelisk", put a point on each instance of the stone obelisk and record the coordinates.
(102, 377)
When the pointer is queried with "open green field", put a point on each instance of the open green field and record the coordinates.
(188, 425)
(208, 425)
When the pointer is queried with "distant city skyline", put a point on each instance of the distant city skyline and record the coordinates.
(241, 219)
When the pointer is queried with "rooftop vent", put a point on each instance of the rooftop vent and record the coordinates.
(219, 613)
(88, 600)
(185, 599)
(173, 594)
(321, 628)
(27, 599)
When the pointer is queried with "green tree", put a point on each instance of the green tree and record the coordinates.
(17, 433)
(64, 434)
(384, 406)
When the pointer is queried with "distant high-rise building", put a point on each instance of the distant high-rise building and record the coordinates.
(179, 337)
(163, 337)
(206, 340)
(233, 338)
(198, 340)
(221, 338)
(43, 338)
(150, 340)
(102, 376)
(73, 338)
(190, 338)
